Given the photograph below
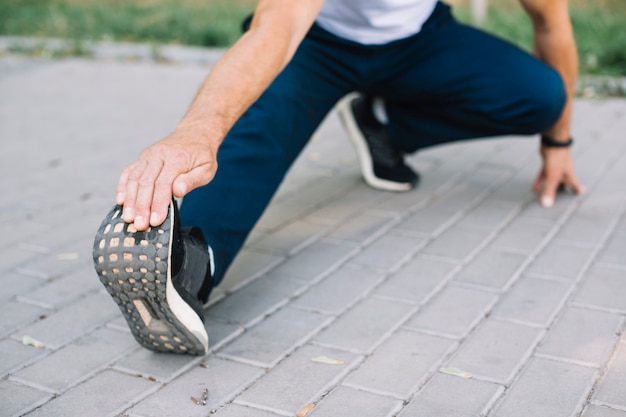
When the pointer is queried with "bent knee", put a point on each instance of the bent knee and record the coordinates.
(545, 100)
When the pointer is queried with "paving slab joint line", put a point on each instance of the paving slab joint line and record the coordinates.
(418, 386)
(260, 407)
(586, 364)
(601, 372)
(542, 336)
(611, 406)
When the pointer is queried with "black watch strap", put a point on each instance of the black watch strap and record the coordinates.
(548, 142)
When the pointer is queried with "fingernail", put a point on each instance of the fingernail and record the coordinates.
(119, 198)
(139, 221)
(128, 214)
(154, 218)
(547, 201)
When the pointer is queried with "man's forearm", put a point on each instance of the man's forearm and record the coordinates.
(554, 44)
(248, 68)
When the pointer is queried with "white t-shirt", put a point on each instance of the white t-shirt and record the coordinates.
(374, 22)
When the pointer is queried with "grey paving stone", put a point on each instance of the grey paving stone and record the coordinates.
(453, 312)
(361, 227)
(452, 396)
(354, 200)
(339, 290)
(548, 389)
(401, 364)
(254, 300)
(488, 215)
(524, 235)
(388, 251)
(235, 410)
(613, 252)
(589, 224)
(61, 262)
(582, 335)
(533, 301)
(64, 290)
(361, 327)
(19, 399)
(16, 315)
(224, 380)
(560, 260)
(455, 243)
(88, 355)
(13, 256)
(324, 255)
(402, 203)
(149, 364)
(220, 332)
(429, 220)
(348, 402)
(601, 411)
(72, 321)
(458, 197)
(103, 395)
(14, 354)
(12, 284)
(275, 337)
(247, 265)
(290, 238)
(612, 386)
(496, 350)
(417, 280)
(288, 209)
(297, 381)
(603, 288)
(492, 268)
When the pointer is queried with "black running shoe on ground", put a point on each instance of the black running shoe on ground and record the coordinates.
(382, 165)
(159, 278)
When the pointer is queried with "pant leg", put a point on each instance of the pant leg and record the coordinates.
(454, 82)
(259, 149)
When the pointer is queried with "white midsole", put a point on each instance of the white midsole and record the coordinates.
(362, 150)
(183, 312)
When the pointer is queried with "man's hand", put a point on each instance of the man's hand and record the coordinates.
(557, 170)
(172, 166)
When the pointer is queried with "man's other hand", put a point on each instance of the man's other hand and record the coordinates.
(557, 170)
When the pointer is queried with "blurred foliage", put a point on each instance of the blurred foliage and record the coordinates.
(599, 25)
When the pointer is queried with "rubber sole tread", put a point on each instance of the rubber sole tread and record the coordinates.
(134, 268)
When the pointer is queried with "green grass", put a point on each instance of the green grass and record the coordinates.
(598, 25)
(209, 24)
(599, 31)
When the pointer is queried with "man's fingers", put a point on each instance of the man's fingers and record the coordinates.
(120, 191)
(573, 184)
(145, 193)
(538, 182)
(550, 186)
(162, 196)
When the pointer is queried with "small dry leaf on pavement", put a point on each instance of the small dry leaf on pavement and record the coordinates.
(455, 372)
(29, 341)
(327, 360)
(305, 410)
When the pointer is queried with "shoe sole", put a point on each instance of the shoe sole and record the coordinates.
(362, 150)
(135, 268)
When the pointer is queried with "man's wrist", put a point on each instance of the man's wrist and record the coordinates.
(549, 142)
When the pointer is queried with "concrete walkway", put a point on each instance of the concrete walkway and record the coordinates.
(345, 302)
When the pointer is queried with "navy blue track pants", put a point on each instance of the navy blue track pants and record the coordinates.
(450, 82)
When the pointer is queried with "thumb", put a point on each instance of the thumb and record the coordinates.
(184, 183)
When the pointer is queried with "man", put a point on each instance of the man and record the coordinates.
(441, 82)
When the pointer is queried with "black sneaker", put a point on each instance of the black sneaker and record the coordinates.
(159, 278)
(382, 165)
